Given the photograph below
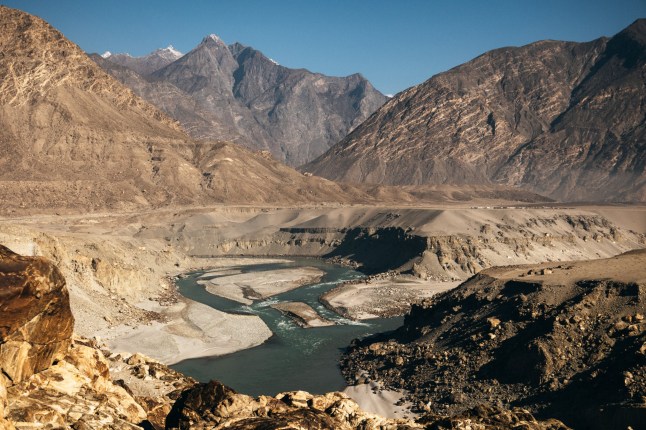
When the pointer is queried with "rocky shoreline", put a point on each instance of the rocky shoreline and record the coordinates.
(386, 295)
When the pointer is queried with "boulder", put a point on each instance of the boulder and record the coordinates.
(37, 322)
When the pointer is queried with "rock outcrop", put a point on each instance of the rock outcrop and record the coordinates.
(237, 94)
(213, 405)
(36, 324)
(564, 340)
(562, 119)
(51, 378)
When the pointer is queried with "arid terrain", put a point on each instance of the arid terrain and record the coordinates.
(521, 309)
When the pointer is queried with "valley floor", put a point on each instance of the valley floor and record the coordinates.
(119, 266)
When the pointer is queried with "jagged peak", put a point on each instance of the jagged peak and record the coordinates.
(212, 38)
(169, 52)
(169, 49)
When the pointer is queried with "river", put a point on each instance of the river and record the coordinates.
(294, 358)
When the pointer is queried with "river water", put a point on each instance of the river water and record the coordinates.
(294, 358)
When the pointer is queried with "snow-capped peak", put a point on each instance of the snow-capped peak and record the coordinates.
(172, 50)
(213, 38)
(169, 52)
(106, 54)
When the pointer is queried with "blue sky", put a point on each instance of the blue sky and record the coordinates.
(395, 44)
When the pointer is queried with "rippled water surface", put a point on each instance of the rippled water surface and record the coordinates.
(293, 358)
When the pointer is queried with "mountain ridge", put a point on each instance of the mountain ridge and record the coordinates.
(505, 117)
(74, 139)
(236, 93)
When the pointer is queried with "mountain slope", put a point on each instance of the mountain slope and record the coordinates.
(561, 118)
(71, 134)
(235, 93)
(73, 138)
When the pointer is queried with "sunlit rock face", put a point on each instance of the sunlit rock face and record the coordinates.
(37, 322)
(563, 119)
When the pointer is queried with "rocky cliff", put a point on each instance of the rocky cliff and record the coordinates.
(563, 119)
(564, 340)
(237, 94)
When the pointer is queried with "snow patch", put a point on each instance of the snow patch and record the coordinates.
(106, 54)
(169, 52)
(213, 37)
(172, 50)
(274, 61)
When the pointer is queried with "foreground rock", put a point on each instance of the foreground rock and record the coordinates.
(565, 340)
(213, 405)
(50, 378)
(36, 321)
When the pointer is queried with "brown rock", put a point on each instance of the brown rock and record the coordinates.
(37, 322)
(493, 322)
(214, 405)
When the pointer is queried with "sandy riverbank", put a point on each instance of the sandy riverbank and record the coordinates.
(302, 314)
(192, 330)
(373, 398)
(258, 285)
(382, 297)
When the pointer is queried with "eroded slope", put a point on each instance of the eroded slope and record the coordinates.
(565, 340)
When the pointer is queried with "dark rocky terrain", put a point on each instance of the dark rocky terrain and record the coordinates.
(564, 340)
(237, 94)
(563, 119)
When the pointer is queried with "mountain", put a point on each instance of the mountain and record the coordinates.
(148, 63)
(563, 119)
(73, 138)
(236, 93)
